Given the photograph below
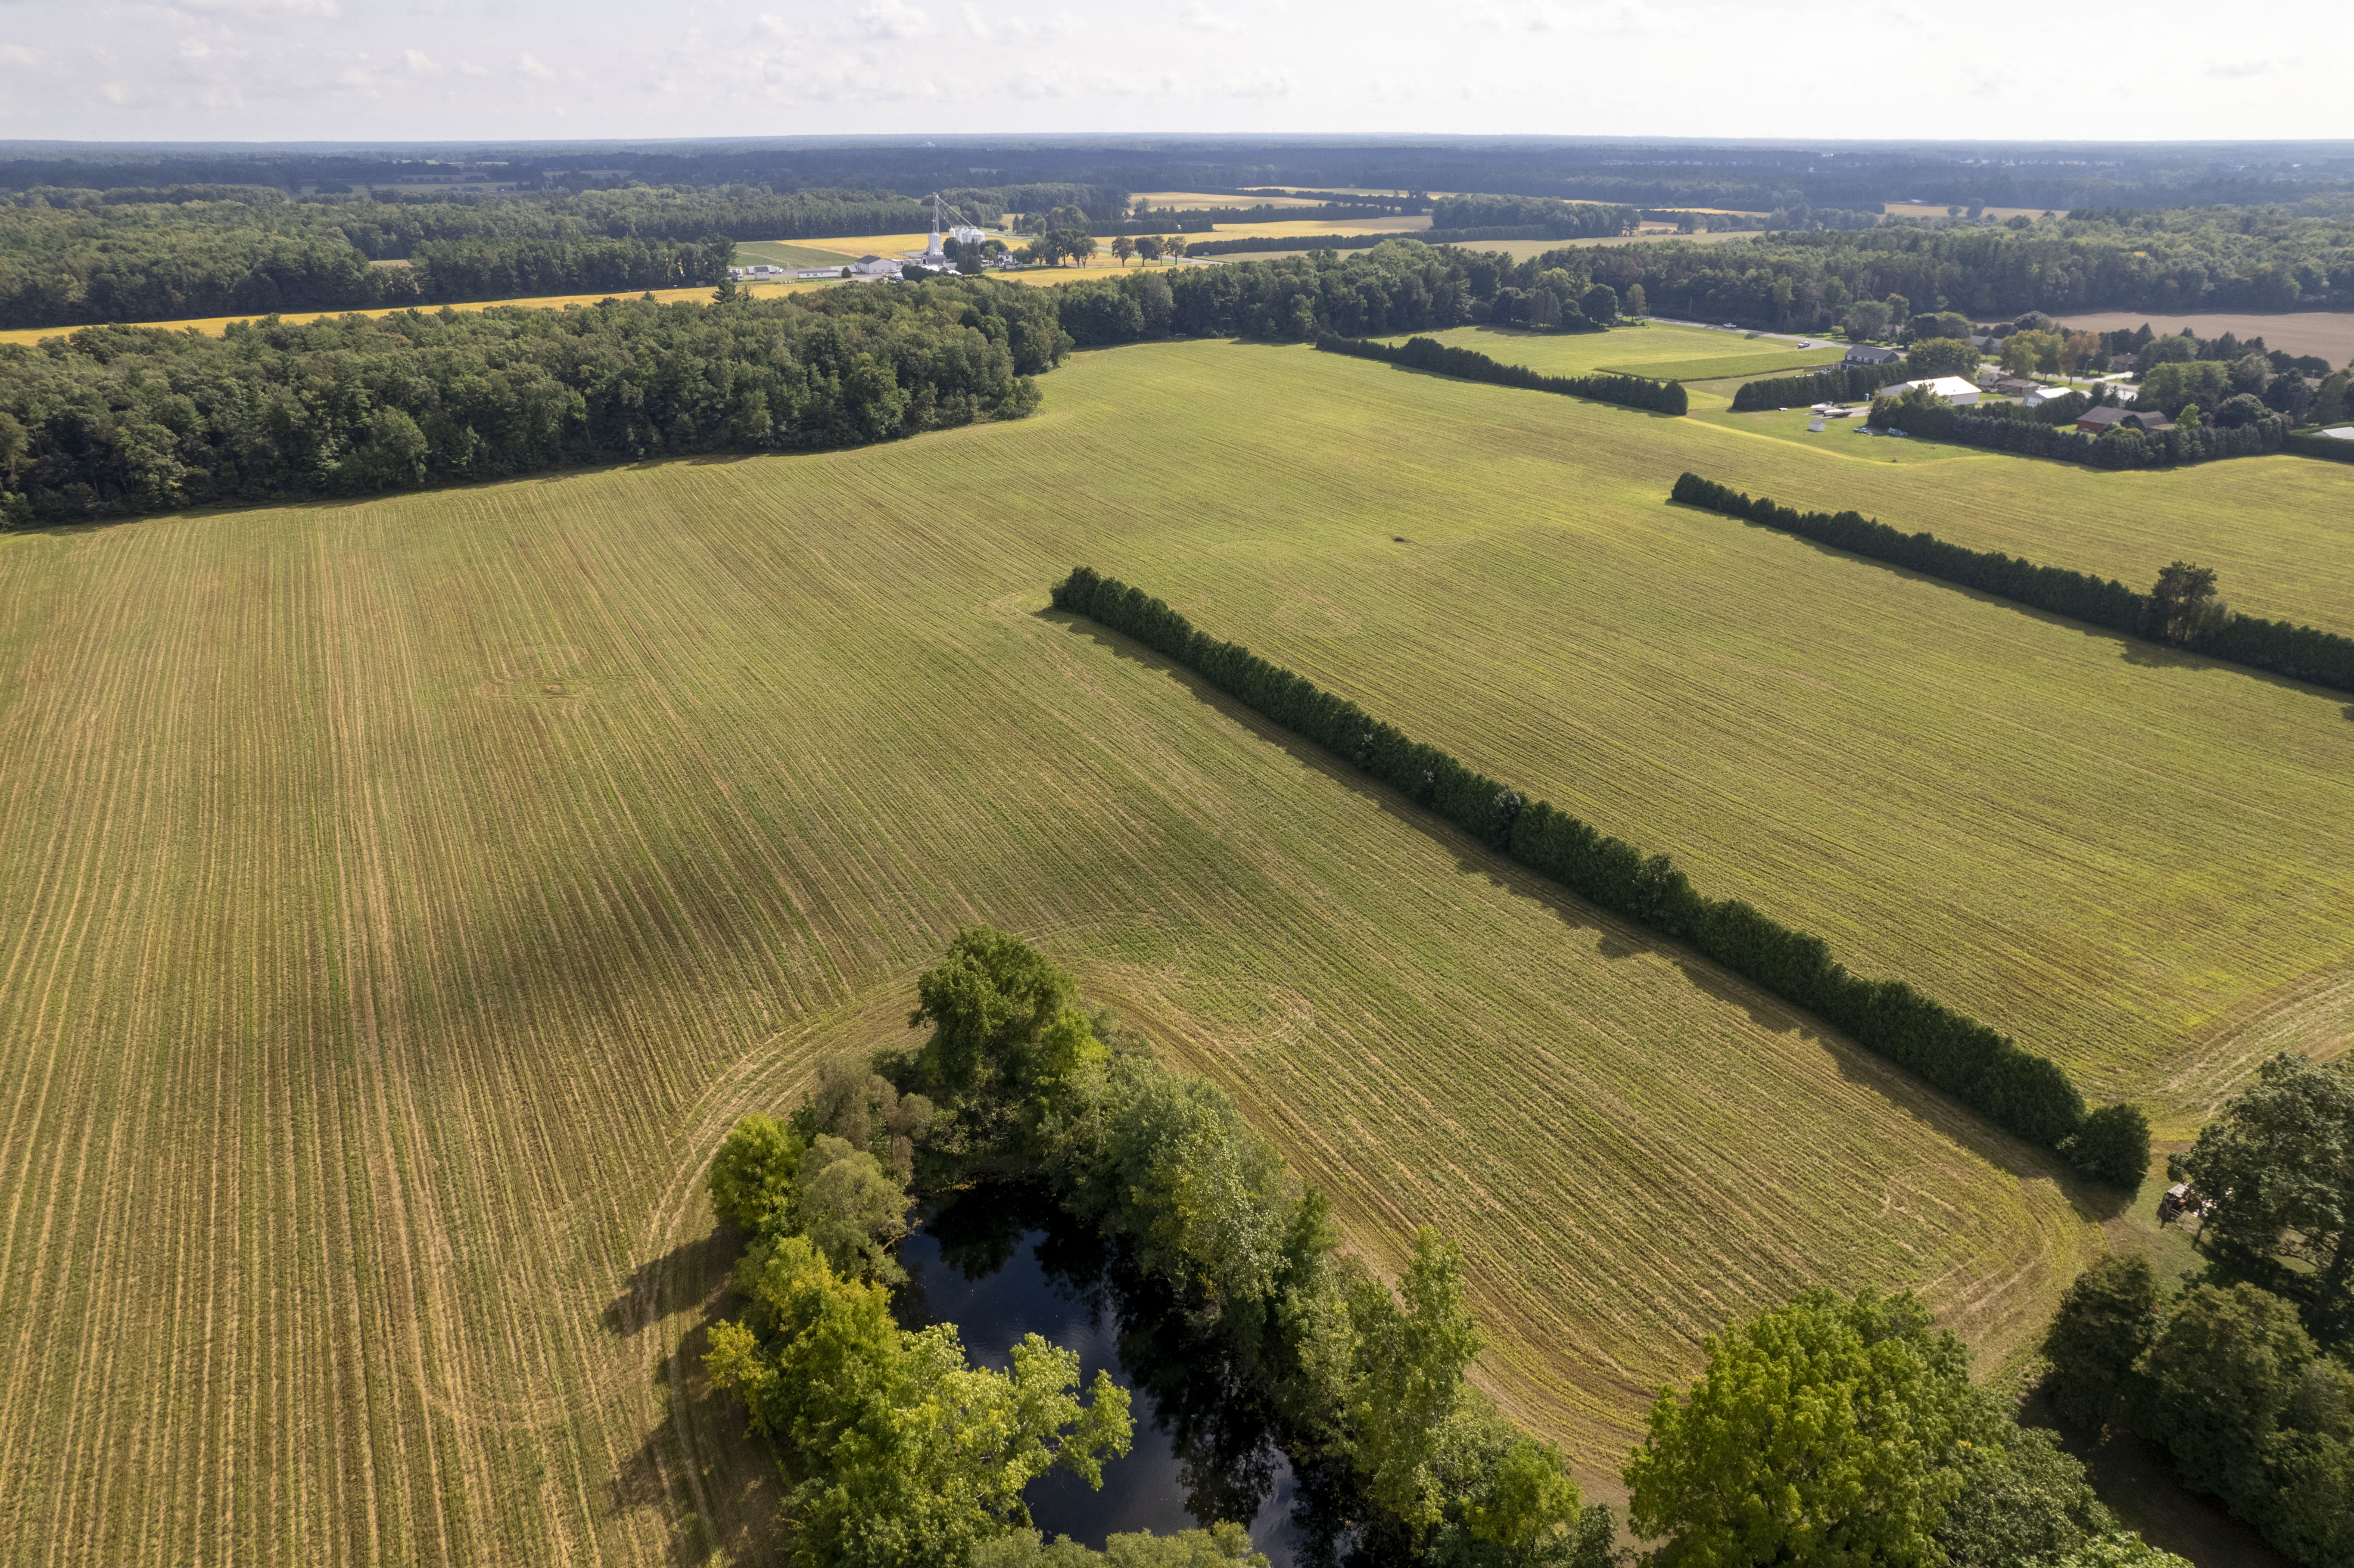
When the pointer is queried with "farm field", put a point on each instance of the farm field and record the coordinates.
(1196, 201)
(1658, 349)
(2278, 530)
(2328, 333)
(792, 253)
(1937, 209)
(425, 885)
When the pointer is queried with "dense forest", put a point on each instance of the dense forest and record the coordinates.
(124, 419)
(78, 257)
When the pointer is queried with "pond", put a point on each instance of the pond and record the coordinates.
(1002, 1262)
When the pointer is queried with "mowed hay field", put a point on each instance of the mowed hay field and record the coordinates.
(402, 898)
(1656, 349)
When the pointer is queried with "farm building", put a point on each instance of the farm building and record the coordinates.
(1961, 394)
(2095, 421)
(875, 267)
(1870, 353)
(2042, 395)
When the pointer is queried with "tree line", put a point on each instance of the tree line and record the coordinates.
(2020, 1092)
(899, 1454)
(2269, 258)
(116, 421)
(75, 258)
(2194, 620)
(1554, 219)
(1839, 384)
(2241, 1375)
(1469, 365)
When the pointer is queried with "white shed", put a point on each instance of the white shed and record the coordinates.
(1961, 394)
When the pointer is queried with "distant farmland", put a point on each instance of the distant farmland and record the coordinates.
(409, 894)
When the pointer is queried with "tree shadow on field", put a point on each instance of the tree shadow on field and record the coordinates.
(714, 1485)
(638, 1303)
(2137, 652)
(1618, 939)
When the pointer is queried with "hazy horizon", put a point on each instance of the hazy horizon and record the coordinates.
(334, 70)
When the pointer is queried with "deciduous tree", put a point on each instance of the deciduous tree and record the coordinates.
(2281, 1160)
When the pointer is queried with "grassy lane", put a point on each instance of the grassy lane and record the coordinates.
(397, 899)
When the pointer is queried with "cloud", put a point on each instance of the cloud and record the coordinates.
(1021, 29)
(1258, 84)
(421, 63)
(18, 55)
(2234, 70)
(1202, 20)
(534, 69)
(893, 19)
(257, 8)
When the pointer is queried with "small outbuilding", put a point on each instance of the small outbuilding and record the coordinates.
(2042, 395)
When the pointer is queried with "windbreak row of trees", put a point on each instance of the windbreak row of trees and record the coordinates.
(900, 1454)
(1839, 384)
(1554, 219)
(117, 420)
(2180, 610)
(2020, 1092)
(1398, 286)
(1469, 365)
(1919, 412)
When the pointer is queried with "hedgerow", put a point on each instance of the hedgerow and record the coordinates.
(2016, 1089)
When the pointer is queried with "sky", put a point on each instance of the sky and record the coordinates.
(437, 70)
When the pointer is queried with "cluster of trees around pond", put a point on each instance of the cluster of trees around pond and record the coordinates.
(1830, 1429)
(896, 1452)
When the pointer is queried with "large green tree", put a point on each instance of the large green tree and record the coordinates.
(2216, 1384)
(1826, 1431)
(1004, 1021)
(2280, 1159)
(2106, 1320)
(900, 1453)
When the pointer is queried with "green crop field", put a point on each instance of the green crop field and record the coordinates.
(1657, 350)
(784, 253)
(402, 897)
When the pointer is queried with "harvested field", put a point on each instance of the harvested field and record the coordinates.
(402, 897)
(1658, 349)
(2328, 333)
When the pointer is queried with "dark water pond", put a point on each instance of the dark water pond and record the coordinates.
(999, 1264)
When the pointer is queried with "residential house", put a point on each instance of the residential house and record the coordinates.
(2095, 421)
(1870, 353)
